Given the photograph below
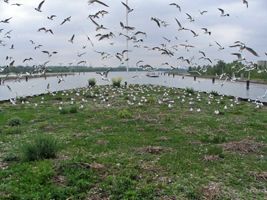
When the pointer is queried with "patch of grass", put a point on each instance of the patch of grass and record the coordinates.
(13, 131)
(63, 111)
(73, 109)
(11, 157)
(92, 82)
(124, 114)
(116, 82)
(216, 151)
(151, 100)
(128, 151)
(190, 90)
(42, 147)
(213, 139)
(214, 93)
(16, 121)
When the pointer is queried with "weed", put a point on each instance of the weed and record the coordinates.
(43, 147)
(124, 114)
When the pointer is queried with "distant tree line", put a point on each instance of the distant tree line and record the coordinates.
(235, 68)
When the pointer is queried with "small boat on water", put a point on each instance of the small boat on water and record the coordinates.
(152, 74)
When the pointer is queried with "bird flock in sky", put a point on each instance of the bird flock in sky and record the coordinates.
(173, 48)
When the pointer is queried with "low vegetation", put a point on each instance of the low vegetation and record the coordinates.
(139, 142)
(116, 82)
(92, 82)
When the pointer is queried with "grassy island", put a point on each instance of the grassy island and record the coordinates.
(139, 142)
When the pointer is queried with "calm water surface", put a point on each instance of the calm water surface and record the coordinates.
(39, 85)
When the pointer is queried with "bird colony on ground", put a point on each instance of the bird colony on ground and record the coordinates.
(106, 41)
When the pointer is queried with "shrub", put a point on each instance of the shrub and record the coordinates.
(190, 90)
(116, 82)
(15, 122)
(124, 114)
(43, 147)
(92, 82)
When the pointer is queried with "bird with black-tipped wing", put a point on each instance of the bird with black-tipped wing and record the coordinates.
(46, 30)
(40, 6)
(176, 5)
(97, 1)
(51, 17)
(223, 13)
(127, 7)
(6, 21)
(129, 28)
(206, 31)
(66, 20)
(16, 4)
(245, 2)
(27, 59)
(191, 19)
(72, 38)
(203, 12)
(219, 45)
(156, 20)
(180, 25)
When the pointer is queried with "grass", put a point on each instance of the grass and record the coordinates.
(130, 146)
(43, 147)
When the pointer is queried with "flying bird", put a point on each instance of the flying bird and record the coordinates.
(66, 20)
(176, 5)
(206, 31)
(51, 17)
(223, 13)
(127, 7)
(72, 38)
(245, 2)
(40, 6)
(190, 17)
(156, 20)
(6, 20)
(203, 12)
(97, 1)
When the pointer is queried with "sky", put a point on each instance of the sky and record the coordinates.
(244, 24)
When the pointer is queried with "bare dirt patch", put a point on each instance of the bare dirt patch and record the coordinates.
(163, 138)
(3, 165)
(211, 191)
(262, 176)
(59, 180)
(152, 150)
(210, 158)
(244, 146)
(102, 142)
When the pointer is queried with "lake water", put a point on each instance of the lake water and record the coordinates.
(39, 85)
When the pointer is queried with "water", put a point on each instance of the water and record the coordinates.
(39, 85)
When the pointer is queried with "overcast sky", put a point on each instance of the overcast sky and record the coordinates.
(244, 24)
